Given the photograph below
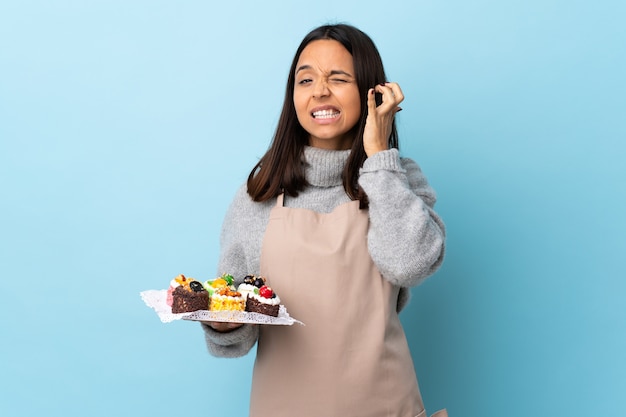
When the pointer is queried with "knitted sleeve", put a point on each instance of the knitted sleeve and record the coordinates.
(406, 238)
(240, 242)
(232, 344)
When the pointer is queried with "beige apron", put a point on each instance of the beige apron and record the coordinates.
(351, 358)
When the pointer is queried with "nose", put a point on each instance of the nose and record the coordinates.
(321, 89)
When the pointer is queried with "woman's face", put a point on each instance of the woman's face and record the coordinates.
(326, 95)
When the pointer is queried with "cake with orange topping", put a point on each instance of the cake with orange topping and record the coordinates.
(224, 296)
(189, 295)
(227, 299)
(224, 281)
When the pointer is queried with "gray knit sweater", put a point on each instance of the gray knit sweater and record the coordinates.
(405, 238)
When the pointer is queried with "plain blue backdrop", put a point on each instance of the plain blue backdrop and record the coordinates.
(126, 126)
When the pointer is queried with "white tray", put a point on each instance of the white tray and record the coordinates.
(156, 299)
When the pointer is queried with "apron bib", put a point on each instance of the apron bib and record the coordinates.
(351, 357)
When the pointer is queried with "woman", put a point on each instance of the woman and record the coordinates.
(341, 226)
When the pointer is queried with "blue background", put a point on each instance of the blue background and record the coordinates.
(126, 126)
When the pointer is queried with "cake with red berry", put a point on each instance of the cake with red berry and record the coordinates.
(261, 299)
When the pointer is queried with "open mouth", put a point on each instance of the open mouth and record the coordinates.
(325, 114)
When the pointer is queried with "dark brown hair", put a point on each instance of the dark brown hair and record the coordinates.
(281, 168)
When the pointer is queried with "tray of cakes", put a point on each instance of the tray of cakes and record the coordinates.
(253, 301)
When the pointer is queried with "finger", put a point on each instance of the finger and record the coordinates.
(388, 95)
(371, 101)
(397, 92)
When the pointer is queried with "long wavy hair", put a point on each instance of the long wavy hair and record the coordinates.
(281, 168)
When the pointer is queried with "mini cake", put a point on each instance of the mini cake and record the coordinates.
(264, 301)
(225, 281)
(247, 286)
(191, 297)
(176, 282)
(227, 299)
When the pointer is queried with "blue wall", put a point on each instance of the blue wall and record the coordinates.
(125, 127)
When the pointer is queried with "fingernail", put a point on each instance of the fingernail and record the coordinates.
(383, 84)
(399, 109)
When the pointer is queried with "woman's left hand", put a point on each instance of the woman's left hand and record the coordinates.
(380, 118)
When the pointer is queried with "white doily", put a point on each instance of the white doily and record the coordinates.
(156, 299)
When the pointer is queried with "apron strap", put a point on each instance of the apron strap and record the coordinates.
(280, 199)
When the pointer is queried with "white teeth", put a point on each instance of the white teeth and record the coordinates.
(325, 114)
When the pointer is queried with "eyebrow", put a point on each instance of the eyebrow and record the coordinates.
(333, 72)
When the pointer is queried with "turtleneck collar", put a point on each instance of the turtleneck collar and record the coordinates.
(324, 166)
